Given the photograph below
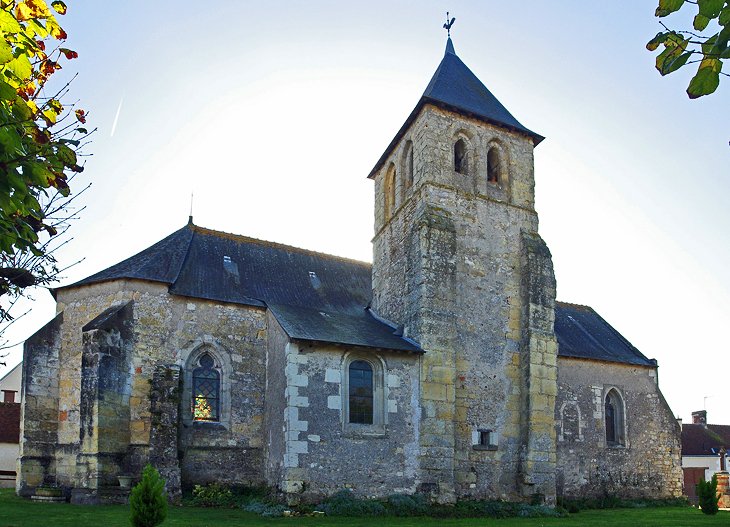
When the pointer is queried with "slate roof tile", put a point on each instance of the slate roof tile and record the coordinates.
(319, 297)
(454, 87)
(582, 333)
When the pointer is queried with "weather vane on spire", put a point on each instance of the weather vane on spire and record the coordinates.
(448, 24)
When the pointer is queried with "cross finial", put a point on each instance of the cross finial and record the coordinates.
(448, 24)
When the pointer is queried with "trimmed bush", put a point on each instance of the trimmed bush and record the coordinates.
(707, 495)
(148, 500)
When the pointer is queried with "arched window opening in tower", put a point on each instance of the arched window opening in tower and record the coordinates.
(460, 157)
(493, 166)
(361, 392)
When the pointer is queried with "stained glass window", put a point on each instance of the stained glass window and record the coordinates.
(206, 390)
(361, 392)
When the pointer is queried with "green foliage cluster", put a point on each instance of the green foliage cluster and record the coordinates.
(40, 142)
(707, 495)
(708, 50)
(212, 495)
(148, 500)
(613, 502)
(345, 503)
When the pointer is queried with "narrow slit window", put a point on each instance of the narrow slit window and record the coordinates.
(361, 392)
(408, 182)
(485, 437)
(389, 192)
(206, 390)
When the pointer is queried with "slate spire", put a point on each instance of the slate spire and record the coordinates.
(455, 86)
(450, 46)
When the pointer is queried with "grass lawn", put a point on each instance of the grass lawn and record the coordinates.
(17, 512)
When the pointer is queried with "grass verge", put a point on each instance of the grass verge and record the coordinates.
(17, 512)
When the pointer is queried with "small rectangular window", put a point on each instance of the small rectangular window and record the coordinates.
(485, 439)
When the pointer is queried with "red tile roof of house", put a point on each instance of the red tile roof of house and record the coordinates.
(704, 440)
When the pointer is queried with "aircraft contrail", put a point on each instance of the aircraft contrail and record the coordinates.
(116, 117)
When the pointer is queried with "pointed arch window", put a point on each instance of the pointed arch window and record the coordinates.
(360, 383)
(206, 390)
(614, 415)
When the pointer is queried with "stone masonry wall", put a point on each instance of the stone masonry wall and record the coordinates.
(276, 402)
(104, 400)
(540, 348)
(169, 330)
(448, 267)
(39, 409)
(323, 453)
(647, 466)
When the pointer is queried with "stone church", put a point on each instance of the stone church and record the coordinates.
(446, 367)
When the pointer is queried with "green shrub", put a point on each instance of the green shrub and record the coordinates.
(345, 503)
(148, 500)
(406, 505)
(265, 509)
(707, 495)
(212, 495)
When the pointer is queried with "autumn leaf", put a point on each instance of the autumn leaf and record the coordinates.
(59, 7)
(69, 53)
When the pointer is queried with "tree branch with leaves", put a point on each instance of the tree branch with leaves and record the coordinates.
(41, 142)
(706, 45)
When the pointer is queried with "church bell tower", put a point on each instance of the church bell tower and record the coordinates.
(459, 264)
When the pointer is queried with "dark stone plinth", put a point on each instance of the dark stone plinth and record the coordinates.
(100, 496)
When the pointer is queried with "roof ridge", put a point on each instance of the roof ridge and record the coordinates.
(571, 304)
(190, 225)
(242, 237)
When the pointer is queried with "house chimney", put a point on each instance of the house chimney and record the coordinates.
(679, 422)
(699, 417)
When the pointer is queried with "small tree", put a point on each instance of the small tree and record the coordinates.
(707, 495)
(148, 501)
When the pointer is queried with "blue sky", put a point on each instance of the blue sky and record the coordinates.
(273, 113)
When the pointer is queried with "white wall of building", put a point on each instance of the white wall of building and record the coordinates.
(710, 463)
(11, 381)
